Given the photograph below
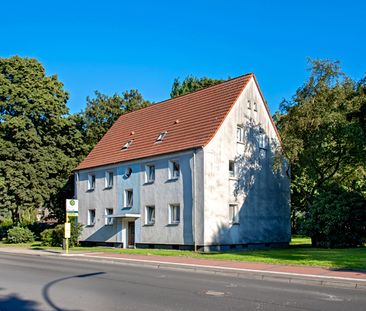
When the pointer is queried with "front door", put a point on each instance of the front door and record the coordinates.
(131, 233)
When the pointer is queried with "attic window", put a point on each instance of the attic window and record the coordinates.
(128, 144)
(161, 136)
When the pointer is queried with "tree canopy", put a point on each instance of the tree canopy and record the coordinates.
(39, 143)
(322, 128)
(190, 84)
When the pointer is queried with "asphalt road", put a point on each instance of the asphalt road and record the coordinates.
(54, 283)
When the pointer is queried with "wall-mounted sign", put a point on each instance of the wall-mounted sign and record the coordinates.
(67, 230)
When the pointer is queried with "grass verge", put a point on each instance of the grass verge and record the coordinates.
(298, 253)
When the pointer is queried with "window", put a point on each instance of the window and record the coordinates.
(249, 104)
(262, 140)
(174, 169)
(150, 215)
(128, 172)
(150, 173)
(108, 220)
(174, 214)
(255, 106)
(240, 134)
(234, 213)
(91, 217)
(91, 181)
(161, 136)
(108, 179)
(128, 198)
(128, 144)
(231, 168)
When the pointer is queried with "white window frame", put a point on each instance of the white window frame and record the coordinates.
(90, 222)
(148, 221)
(249, 104)
(173, 173)
(255, 106)
(148, 168)
(234, 214)
(240, 134)
(172, 220)
(232, 173)
(161, 136)
(108, 220)
(108, 181)
(127, 203)
(91, 182)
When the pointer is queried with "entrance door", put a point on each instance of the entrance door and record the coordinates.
(131, 233)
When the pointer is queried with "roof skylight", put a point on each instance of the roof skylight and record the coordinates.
(161, 136)
(128, 144)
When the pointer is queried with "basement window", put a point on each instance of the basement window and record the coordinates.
(128, 144)
(161, 136)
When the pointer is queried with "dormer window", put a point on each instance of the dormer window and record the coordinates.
(128, 144)
(161, 136)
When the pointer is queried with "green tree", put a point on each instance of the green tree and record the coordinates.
(323, 137)
(102, 111)
(190, 84)
(39, 142)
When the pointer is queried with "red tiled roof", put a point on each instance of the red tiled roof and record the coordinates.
(199, 116)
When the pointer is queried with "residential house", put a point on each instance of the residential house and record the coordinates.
(192, 172)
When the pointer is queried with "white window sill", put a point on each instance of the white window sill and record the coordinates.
(233, 178)
(173, 224)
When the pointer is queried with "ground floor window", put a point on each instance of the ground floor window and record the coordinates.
(174, 213)
(91, 217)
(150, 215)
(108, 220)
(234, 213)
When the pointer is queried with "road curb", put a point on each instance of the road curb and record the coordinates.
(290, 278)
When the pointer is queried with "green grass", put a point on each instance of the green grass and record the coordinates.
(298, 253)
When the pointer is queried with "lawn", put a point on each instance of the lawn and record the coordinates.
(298, 253)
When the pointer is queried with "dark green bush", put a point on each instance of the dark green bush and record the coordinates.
(55, 236)
(5, 225)
(19, 235)
(337, 218)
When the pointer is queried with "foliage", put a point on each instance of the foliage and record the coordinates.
(19, 235)
(55, 236)
(39, 142)
(323, 137)
(337, 218)
(190, 84)
(102, 111)
(5, 225)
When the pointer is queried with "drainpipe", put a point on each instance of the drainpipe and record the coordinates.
(194, 205)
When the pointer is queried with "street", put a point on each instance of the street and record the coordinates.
(29, 283)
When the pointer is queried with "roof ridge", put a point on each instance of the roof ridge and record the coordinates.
(196, 91)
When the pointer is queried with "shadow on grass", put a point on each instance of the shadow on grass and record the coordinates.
(14, 302)
(339, 259)
(45, 250)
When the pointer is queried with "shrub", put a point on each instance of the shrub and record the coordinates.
(55, 236)
(19, 235)
(337, 218)
(5, 225)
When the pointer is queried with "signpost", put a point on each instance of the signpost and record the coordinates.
(72, 210)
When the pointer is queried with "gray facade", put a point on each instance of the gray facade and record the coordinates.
(226, 194)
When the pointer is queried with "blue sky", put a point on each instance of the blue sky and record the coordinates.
(112, 46)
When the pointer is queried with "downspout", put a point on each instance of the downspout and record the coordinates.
(194, 205)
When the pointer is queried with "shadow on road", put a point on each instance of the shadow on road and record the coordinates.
(47, 287)
(14, 302)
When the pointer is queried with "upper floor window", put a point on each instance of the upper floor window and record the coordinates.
(249, 104)
(128, 172)
(91, 181)
(128, 144)
(262, 140)
(255, 106)
(240, 134)
(108, 179)
(174, 169)
(150, 172)
(174, 214)
(128, 198)
(108, 219)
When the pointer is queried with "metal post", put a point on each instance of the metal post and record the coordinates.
(67, 239)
